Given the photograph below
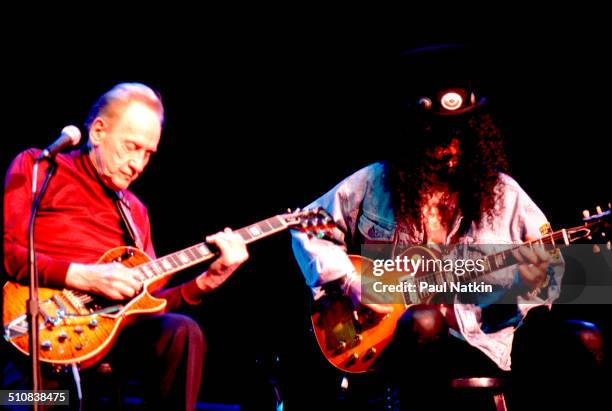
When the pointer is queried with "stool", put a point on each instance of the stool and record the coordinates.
(494, 385)
(102, 390)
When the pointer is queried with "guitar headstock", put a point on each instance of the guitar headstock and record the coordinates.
(314, 221)
(599, 225)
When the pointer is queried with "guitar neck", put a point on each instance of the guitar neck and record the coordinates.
(503, 259)
(180, 260)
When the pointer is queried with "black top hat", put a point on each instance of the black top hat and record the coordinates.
(441, 80)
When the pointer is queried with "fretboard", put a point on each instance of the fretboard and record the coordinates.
(503, 259)
(201, 252)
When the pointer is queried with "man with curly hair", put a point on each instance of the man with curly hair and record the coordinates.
(445, 184)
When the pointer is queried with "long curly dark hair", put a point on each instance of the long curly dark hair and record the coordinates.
(409, 174)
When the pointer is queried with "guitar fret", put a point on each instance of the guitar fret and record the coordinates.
(172, 260)
(196, 252)
(266, 226)
(487, 268)
(566, 240)
(497, 260)
(147, 271)
(254, 231)
(244, 233)
(180, 261)
(166, 264)
(141, 270)
(188, 255)
(275, 222)
(420, 294)
(183, 258)
(203, 249)
(157, 267)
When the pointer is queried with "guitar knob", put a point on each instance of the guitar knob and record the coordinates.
(358, 338)
(78, 329)
(45, 345)
(369, 354)
(78, 346)
(93, 324)
(352, 359)
(340, 347)
(62, 336)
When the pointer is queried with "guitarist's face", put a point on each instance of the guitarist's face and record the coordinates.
(444, 157)
(123, 144)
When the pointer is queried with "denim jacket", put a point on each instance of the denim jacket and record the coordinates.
(361, 208)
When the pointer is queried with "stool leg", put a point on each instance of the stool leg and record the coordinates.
(500, 402)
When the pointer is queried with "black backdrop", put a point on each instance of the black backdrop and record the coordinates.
(254, 127)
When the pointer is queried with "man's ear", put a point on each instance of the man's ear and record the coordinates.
(97, 131)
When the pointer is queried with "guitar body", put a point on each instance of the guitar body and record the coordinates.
(76, 327)
(353, 339)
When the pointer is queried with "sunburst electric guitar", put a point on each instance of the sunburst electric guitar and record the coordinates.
(80, 328)
(352, 338)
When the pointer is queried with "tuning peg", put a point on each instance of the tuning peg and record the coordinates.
(586, 213)
(320, 234)
(598, 210)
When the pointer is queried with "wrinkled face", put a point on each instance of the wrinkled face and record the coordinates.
(123, 146)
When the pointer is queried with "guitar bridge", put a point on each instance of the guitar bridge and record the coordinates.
(16, 328)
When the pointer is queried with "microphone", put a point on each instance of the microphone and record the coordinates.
(71, 135)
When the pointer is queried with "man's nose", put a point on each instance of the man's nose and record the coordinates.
(137, 163)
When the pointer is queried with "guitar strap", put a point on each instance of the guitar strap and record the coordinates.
(124, 210)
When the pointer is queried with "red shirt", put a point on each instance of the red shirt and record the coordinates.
(77, 220)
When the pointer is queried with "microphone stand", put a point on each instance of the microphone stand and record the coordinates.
(33, 308)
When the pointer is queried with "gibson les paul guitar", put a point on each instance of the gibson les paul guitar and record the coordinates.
(76, 327)
(352, 338)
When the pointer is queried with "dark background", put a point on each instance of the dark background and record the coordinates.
(259, 124)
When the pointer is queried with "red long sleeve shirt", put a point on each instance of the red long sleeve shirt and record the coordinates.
(77, 221)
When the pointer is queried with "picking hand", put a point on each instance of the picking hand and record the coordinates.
(113, 280)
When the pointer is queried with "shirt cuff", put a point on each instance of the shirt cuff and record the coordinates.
(54, 273)
(191, 293)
